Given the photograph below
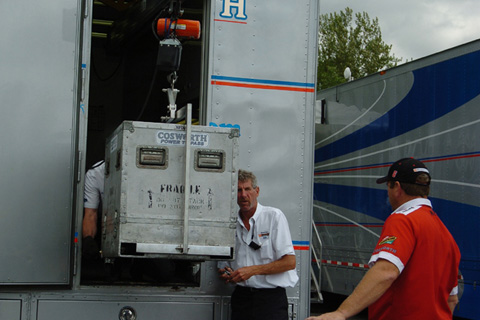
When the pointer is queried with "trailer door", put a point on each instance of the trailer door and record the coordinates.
(38, 98)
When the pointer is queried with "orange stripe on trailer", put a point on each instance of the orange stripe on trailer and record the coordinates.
(257, 86)
(230, 21)
(301, 247)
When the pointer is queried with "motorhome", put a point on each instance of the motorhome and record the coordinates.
(175, 96)
(428, 109)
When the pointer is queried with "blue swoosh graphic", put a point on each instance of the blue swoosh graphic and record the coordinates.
(453, 86)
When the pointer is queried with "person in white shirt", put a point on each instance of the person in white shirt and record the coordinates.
(93, 197)
(265, 259)
(160, 270)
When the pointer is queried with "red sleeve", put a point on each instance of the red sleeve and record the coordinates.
(396, 242)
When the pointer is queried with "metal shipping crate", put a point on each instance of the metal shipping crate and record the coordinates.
(147, 185)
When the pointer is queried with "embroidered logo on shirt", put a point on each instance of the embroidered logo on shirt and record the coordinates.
(388, 240)
(264, 235)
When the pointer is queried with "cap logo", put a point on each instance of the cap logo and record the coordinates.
(420, 170)
(394, 174)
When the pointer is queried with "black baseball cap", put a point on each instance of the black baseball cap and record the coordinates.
(406, 170)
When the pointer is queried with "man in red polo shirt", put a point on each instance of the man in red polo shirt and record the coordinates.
(414, 267)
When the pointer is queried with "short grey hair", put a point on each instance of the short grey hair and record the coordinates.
(244, 175)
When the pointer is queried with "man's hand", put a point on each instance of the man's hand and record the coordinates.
(226, 274)
(243, 274)
(89, 224)
(285, 263)
(328, 316)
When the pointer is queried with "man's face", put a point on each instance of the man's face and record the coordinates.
(247, 196)
(393, 194)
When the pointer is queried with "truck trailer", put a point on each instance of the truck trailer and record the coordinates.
(428, 109)
(175, 96)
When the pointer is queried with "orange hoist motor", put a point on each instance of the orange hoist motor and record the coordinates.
(182, 28)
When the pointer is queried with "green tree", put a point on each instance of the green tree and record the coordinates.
(357, 45)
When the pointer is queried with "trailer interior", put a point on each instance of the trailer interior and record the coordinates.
(129, 81)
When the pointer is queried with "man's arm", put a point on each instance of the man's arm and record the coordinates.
(373, 285)
(89, 225)
(285, 263)
(452, 302)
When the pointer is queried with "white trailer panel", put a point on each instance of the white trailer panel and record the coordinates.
(39, 97)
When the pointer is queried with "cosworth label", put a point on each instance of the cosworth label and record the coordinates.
(175, 138)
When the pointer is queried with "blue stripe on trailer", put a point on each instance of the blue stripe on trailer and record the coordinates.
(453, 88)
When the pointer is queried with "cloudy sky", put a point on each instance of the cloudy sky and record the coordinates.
(418, 28)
